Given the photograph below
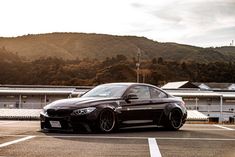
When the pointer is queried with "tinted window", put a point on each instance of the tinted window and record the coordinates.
(110, 90)
(142, 92)
(155, 93)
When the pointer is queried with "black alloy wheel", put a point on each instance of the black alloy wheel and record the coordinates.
(175, 119)
(107, 121)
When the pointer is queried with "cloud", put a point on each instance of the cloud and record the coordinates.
(183, 21)
(216, 37)
(194, 12)
(136, 5)
(192, 19)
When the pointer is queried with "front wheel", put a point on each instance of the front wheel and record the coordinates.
(174, 120)
(107, 121)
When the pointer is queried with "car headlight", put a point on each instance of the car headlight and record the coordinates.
(83, 111)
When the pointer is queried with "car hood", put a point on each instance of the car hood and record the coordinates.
(74, 103)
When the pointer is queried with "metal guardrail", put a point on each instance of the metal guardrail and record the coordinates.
(20, 114)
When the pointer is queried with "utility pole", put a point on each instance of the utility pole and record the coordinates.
(232, 43)
(138, 66)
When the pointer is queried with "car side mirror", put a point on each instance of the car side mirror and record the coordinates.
(131, 96)
(80, 95)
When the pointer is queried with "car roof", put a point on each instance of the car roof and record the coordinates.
(128, 83)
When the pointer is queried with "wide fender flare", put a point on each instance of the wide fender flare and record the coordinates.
(111, 106)
(168, 108)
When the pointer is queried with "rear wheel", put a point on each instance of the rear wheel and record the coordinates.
(174, 120)
(107, 121)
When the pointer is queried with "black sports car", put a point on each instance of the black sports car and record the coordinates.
(110, 106)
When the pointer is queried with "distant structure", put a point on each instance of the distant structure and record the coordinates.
(138, 66)
(215, 100)
(36, 96)
(232, 43)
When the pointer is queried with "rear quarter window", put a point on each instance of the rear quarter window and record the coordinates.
(156, 93)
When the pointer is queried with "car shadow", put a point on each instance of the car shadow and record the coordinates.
(139, 129)
(138, 135)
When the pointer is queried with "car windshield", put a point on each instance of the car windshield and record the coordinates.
(107, 91)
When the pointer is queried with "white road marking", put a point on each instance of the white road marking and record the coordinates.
(153, 148)
(204, 129)
(197, 125)
(16, 141)
(223, 127)
(197, 139)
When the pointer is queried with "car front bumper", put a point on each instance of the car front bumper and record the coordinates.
(67, 123)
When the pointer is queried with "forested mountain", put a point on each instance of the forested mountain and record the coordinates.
(6, 56)
(100, 46)
(91, 59)
(54, 71)
(228, 51)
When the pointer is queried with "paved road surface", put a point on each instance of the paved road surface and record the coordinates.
(24, 139)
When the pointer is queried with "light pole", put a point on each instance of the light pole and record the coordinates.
(138, 66)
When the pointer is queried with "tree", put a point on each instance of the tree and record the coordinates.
(160, 60)
(154, 61)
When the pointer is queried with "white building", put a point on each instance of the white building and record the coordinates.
(35, 97)
(215, 100)
(218, 103)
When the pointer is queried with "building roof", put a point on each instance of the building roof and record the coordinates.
(215, 86)
(203, 86)
(201, 93)
(231, 87)
(192, 93)
(186, 85)
(43, 86)
(227, 94)
(177, 85)
(42, 90)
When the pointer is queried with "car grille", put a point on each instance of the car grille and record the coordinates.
(59, 112)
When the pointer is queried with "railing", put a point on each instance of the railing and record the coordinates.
(14, 105)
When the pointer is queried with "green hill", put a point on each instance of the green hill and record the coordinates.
(100, 46)
(228, 51)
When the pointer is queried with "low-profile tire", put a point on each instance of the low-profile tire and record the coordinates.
(107, 121)
(174, 120)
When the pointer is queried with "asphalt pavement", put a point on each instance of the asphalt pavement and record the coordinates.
(24, 139)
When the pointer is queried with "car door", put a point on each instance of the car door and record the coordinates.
(137, 110)
(159, 100)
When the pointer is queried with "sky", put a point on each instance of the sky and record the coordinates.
(202, 23)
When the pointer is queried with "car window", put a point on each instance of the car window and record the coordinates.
(156, 93)
(109, 90)
(142, 92)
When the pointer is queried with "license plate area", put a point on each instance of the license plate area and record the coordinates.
(55, 124)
